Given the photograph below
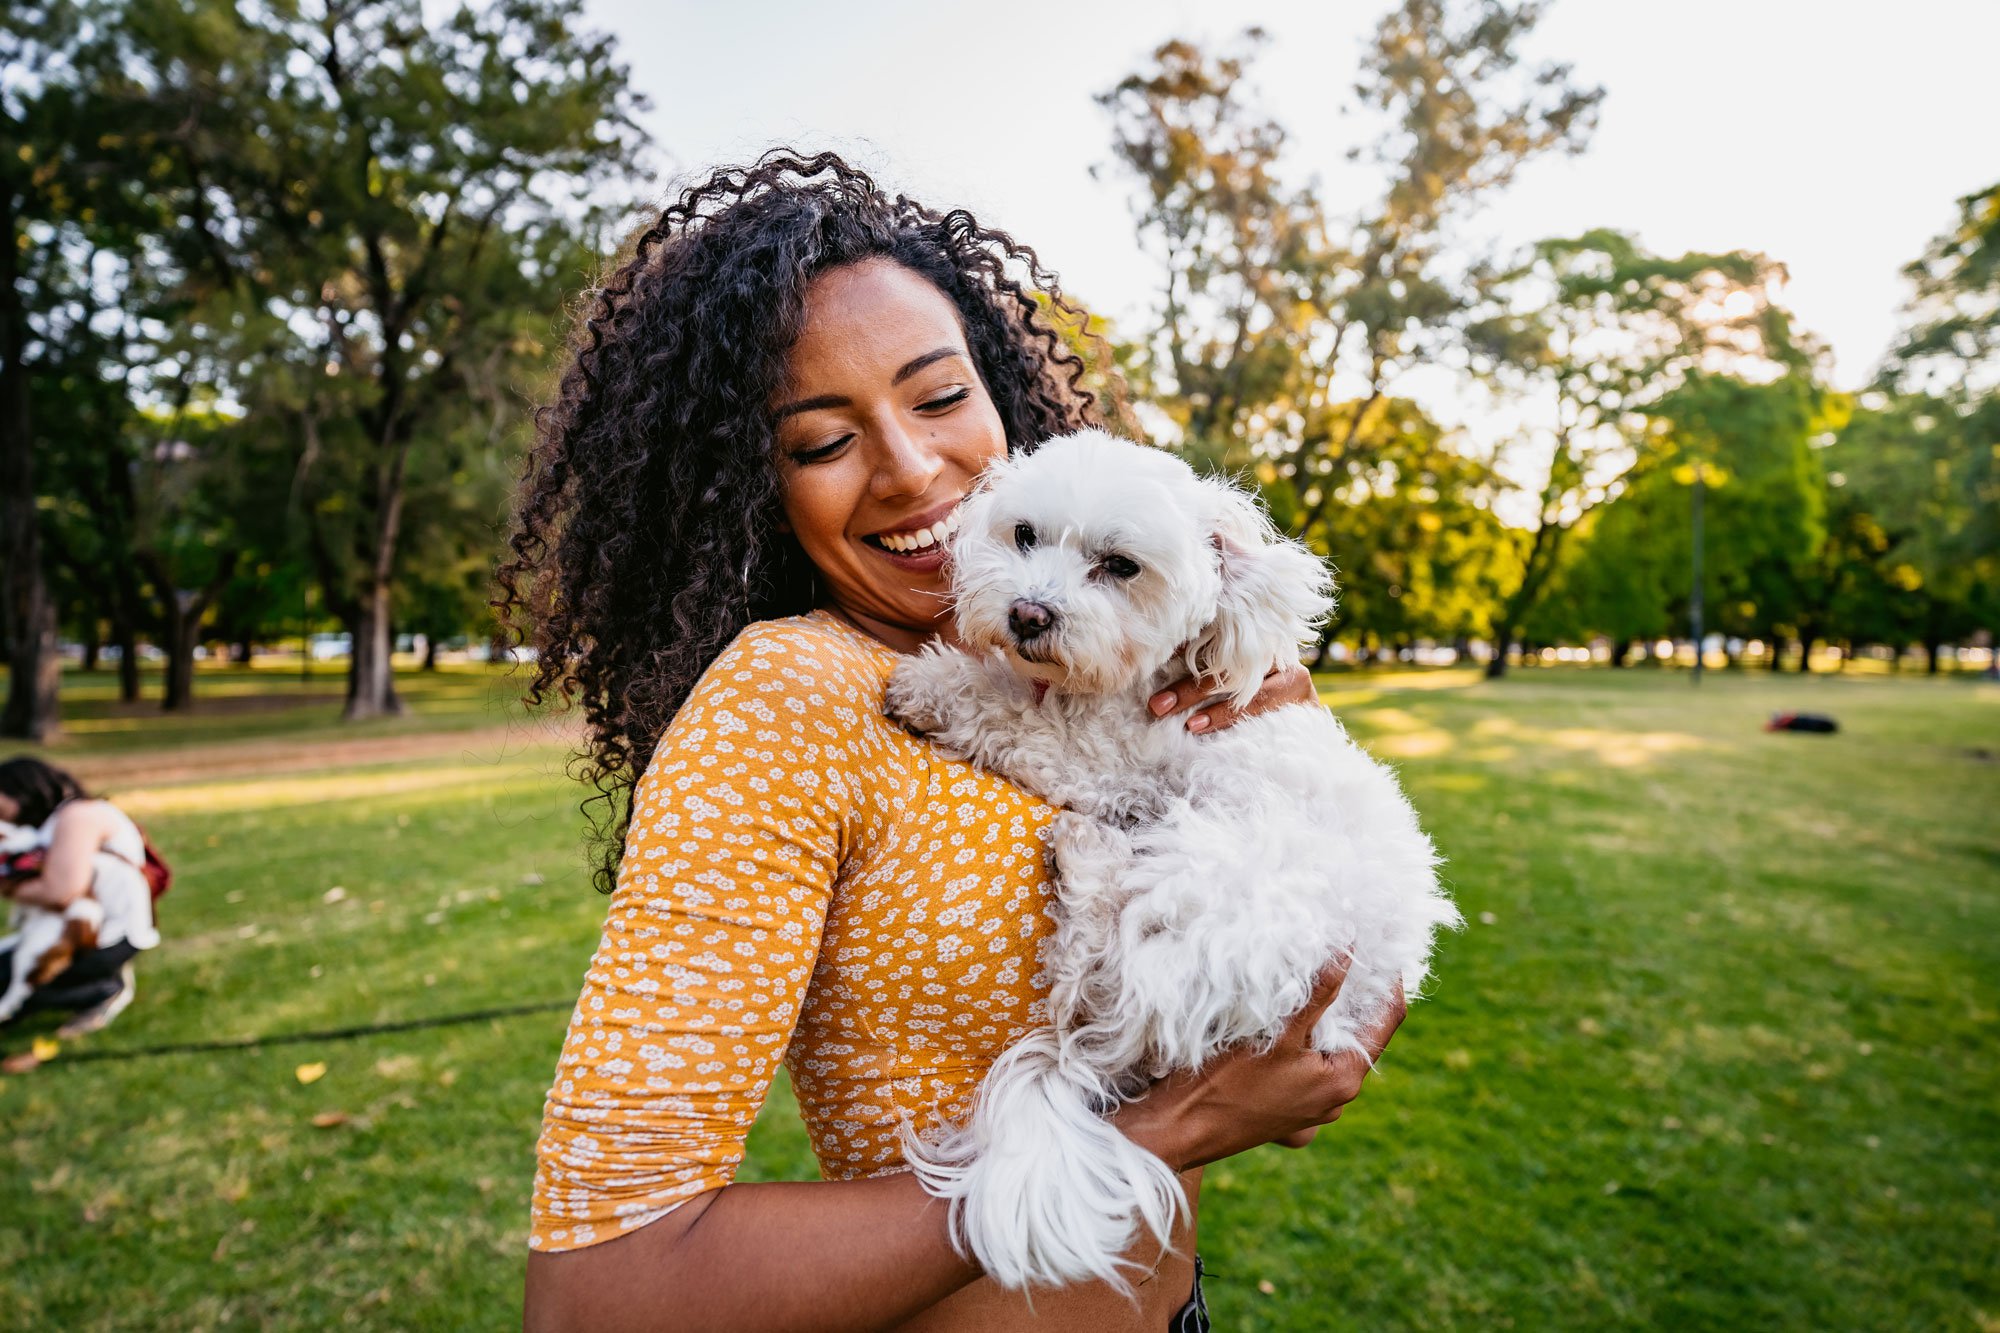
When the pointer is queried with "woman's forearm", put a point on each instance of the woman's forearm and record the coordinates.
(827, 1255)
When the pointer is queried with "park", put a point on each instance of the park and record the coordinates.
(1714, 1048)
(1718, 1046)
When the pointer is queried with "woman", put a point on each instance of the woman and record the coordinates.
(93, 847)
(728, 533)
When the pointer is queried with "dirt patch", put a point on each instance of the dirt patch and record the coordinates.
(256, 758)
(229, 705)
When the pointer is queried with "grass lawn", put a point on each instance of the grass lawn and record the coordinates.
(1718, 1049)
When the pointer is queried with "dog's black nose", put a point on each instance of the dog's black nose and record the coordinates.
(1029, 620)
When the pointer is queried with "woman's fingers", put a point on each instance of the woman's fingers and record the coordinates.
(1182, 695)
(1325, 987)
(1376, 1038)
(1286, 683)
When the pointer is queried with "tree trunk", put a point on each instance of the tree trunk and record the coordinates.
(1777, 661)
(1621, 649)
(27, 613)
(1808, 636)
(371, 678)
(430, 652)
(93, 640)
(243, 651)
(1932, 649)
(180, 619)
(180, 639)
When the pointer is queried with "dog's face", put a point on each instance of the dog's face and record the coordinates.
(1092, 563)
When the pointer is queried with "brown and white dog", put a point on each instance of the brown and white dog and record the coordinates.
(44, 941)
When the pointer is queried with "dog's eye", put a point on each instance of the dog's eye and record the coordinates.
(1024, 536)
(1119, 567)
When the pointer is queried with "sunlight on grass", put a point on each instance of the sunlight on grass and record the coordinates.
(432, 783)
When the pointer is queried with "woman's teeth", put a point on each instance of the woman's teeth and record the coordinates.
(909, 543)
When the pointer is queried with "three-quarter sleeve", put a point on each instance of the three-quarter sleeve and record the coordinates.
(739, 828)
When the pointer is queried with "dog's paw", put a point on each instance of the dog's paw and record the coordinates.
(919, 689)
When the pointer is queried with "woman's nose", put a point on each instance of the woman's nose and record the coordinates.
(905, 464)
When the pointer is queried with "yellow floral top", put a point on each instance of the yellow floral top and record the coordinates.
(803, 881)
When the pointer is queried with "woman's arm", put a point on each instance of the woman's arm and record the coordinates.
(867, 1253)
(851, 1254)
(81, 829)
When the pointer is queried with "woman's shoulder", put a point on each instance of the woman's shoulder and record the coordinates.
(87, 815)
(816, 654)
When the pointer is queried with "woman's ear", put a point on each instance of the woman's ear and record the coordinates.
(1274, 595)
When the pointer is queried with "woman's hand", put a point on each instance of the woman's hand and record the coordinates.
(1286, 683)
(1243, 1099)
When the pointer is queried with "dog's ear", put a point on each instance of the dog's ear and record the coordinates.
(1273, 597)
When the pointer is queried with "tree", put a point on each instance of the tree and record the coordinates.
(1600, 333)
(1268, 298)
(1942, 410)
(1627, 576)
(1916, 497)
(38, 281)
(377, 219)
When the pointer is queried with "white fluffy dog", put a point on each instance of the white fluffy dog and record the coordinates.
(1203, 881)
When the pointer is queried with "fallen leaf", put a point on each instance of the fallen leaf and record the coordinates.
(531, 878)
(329, 1119)
(333, 895)
(311, 1073)
(1266, 1286)
(47, 1048)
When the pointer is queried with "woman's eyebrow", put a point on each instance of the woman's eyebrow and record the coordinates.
(928, 358)
(910, 367)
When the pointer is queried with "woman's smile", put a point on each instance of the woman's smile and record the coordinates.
(919, 544)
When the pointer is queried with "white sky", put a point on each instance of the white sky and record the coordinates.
(1834, 135)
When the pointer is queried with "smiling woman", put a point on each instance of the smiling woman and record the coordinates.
(730, 532)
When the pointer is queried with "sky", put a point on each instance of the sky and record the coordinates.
(1833, 135)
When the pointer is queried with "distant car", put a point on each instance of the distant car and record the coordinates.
(326, 647)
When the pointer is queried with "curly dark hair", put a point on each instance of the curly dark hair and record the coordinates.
(647, 521)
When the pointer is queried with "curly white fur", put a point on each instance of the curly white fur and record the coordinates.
(1203, 881)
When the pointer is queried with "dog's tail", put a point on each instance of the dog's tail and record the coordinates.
(1043, 1191)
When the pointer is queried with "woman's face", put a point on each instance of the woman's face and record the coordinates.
(881, 429)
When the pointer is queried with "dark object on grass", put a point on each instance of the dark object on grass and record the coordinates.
(1801, 722)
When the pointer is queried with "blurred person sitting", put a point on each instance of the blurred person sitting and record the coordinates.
(92, 881)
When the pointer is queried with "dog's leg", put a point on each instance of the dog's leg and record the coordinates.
(976, 709)
(41, 934)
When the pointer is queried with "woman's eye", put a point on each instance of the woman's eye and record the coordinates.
(820, 451)
(1024, 537)
(943, 401)
(1119, 567)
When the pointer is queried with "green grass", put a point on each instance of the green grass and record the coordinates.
(1718, 1049)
